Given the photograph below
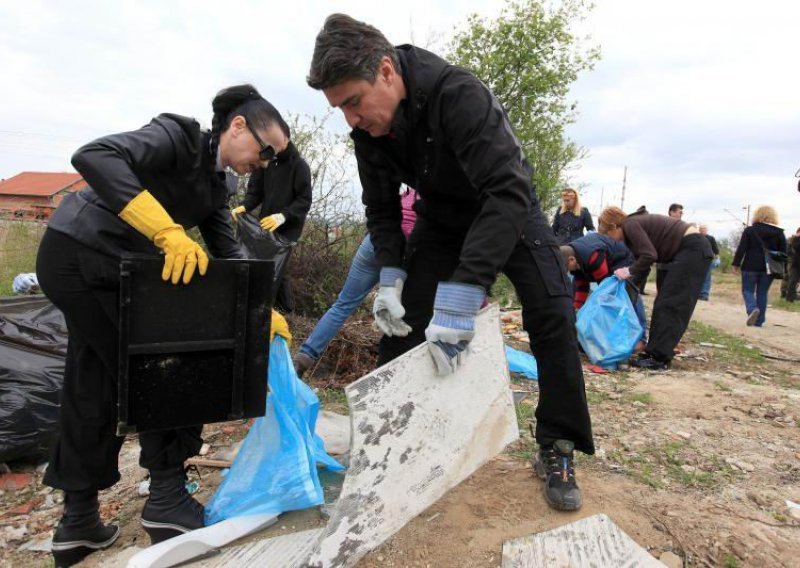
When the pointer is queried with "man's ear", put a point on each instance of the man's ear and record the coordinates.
(386, 70)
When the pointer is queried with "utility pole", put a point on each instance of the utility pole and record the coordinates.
(602, 191)
(747, 208)
(624, 180)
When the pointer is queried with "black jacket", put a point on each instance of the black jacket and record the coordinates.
(173, 159)
(567, 226)
(284, 187)
(750, 254)
(451, 141)
(714, 246)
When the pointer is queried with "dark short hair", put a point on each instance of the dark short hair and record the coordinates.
(675, 207)
(348, 49)
(244, 100)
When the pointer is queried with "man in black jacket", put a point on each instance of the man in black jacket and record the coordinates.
(420, 121)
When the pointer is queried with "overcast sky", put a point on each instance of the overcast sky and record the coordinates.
(699, 99)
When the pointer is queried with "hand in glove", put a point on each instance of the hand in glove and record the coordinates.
(181, 254)
(237, 211)
(622, 273)
(388, 309)
(279, 327)
(272, 222)
(453, 324)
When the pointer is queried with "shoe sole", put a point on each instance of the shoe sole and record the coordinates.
(71, 552)
(159, 532)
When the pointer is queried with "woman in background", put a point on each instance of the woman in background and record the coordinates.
(571, 219)
(749, 259)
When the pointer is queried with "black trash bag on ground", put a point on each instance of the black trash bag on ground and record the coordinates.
(33, 346)
(263, 245)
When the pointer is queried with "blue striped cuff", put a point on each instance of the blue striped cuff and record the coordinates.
(451, 320)
(390, 275)
(459, 299)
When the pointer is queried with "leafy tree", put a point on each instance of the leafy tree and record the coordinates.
(529, 57)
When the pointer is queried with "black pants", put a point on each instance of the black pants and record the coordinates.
(789, 284)
(537, 272)
(84, 285)
(677, 295)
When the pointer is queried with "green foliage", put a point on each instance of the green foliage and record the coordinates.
(725, 254)
(736, 350)
(529, 57)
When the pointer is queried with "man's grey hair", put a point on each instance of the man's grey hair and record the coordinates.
(347, 49)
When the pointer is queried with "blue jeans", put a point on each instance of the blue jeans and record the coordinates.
(755, 287)
(362, 277)
(706, 290)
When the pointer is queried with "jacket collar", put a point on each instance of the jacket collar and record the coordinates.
(421, 71)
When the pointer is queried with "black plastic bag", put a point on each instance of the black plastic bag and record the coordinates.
(263, 245)
(33, 346)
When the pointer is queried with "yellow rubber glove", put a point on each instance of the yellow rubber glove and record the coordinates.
(272, 222)
(279, 327)
(237, 211)
(181, 254)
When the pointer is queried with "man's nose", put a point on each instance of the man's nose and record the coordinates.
(351, 117)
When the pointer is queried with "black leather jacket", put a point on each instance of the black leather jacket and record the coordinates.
(173, 159)
(451, 141)
(284, 187)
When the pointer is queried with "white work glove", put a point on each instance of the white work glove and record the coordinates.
(388, 308)
(272, 222)
(622, 273)
(453, 324)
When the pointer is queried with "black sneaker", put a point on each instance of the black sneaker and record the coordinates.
(554, 464)
(649, 363)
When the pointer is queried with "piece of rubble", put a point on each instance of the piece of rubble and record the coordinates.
(590, 542)
(15, 481)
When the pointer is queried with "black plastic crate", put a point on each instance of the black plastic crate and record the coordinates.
(193, 354)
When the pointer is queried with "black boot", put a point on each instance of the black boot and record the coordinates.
(80, 532)
(554, 464)
(170, 510)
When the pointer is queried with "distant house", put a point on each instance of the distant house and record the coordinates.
(35, 195)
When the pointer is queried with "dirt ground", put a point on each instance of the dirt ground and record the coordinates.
(698, 461)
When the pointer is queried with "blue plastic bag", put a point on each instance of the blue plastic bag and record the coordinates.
(519, 362)
(608, 327)
(276, 467)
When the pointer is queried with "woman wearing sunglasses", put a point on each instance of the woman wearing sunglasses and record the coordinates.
(146, 188)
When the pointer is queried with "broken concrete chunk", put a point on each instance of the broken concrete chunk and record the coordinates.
(593, 541)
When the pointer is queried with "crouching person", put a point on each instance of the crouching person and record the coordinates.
(146, 188)
(595, 257)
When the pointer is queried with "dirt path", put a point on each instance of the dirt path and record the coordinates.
(698, 461)
(778, 335)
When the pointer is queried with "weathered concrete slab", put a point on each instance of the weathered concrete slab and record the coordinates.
(284, 551)
(415, 436)
(593, 542)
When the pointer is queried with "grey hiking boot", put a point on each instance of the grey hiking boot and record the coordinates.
(303, 363)
(554, 465)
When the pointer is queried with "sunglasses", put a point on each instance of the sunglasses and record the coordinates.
(267, 152)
